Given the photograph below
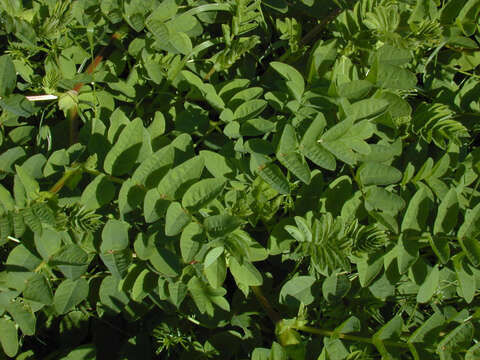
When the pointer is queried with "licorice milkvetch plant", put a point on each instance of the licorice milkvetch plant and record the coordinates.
(240, 179)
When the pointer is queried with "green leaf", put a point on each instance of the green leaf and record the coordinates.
(23, 315)
(144, 284)
(69, 294)
(391, 330)
(447, 214)
(17, 105)
(392, 55)
(440, 247)
(473, 353)
(144, 245)
(465, 276)
(38, 289)
(470, 227)
(368, 269)
(278, 5)
(367, 109)
(429, 329)
(124, 153)
(8, 337)
(335, 287)
(181, 42)
(56, 162)
(312, 150)
(207, 90)
(201, 193)
(98, 193)
(10, 157)
(381, 199)
(231, 88)
(220, 225)
(174, 184)
(177, 218)
(165, 262)
(249, 110)
(71, 260)
(213, 255)
(29, 183)
(117, 261)
(418, 210)
(23, 259)
(277, 352)
(255, 127)
(352, 324)
(205, 296)
(295, 81)
(457, 339)
(335, 349)
(472, 249)
(244, 95)
(130, 197)
(429, 286)
(216, 271)
(355, 89)
(261, 354)
(82, 352)
(110, 296)
(297, 290)
(6, 199)
(216, 164)
(191, 239)
(245, 273)
(394, 77)
(177, 291)
(271, 174)
(154, 207)
(114, 236)
(154, 167)
(372, 173)
(346, 139)
(467, 19)
(288, 157)
(8, 75)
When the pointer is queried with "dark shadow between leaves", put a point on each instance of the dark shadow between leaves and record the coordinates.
(125, 161)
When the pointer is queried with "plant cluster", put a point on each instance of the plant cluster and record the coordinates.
(240, 179)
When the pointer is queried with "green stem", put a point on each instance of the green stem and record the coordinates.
(208, 7)
(272, 314)
(61, 182)
(474, 190)
(109, 177)
(210, 73)
(463, 72)
(200, 47)
(312, 34)
(366, 340)
(72, 125)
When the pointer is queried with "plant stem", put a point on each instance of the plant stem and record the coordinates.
(68, 174)
(312, 34)
(210, 73)
(366, 340)
(275, 317)
(109, 177)
(61, 182)
(272, 314)
(195, 51)
(208, 7)
(474, 190)
(40, 97)
(11, 238)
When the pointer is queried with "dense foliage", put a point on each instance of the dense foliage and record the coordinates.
(240, 179)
